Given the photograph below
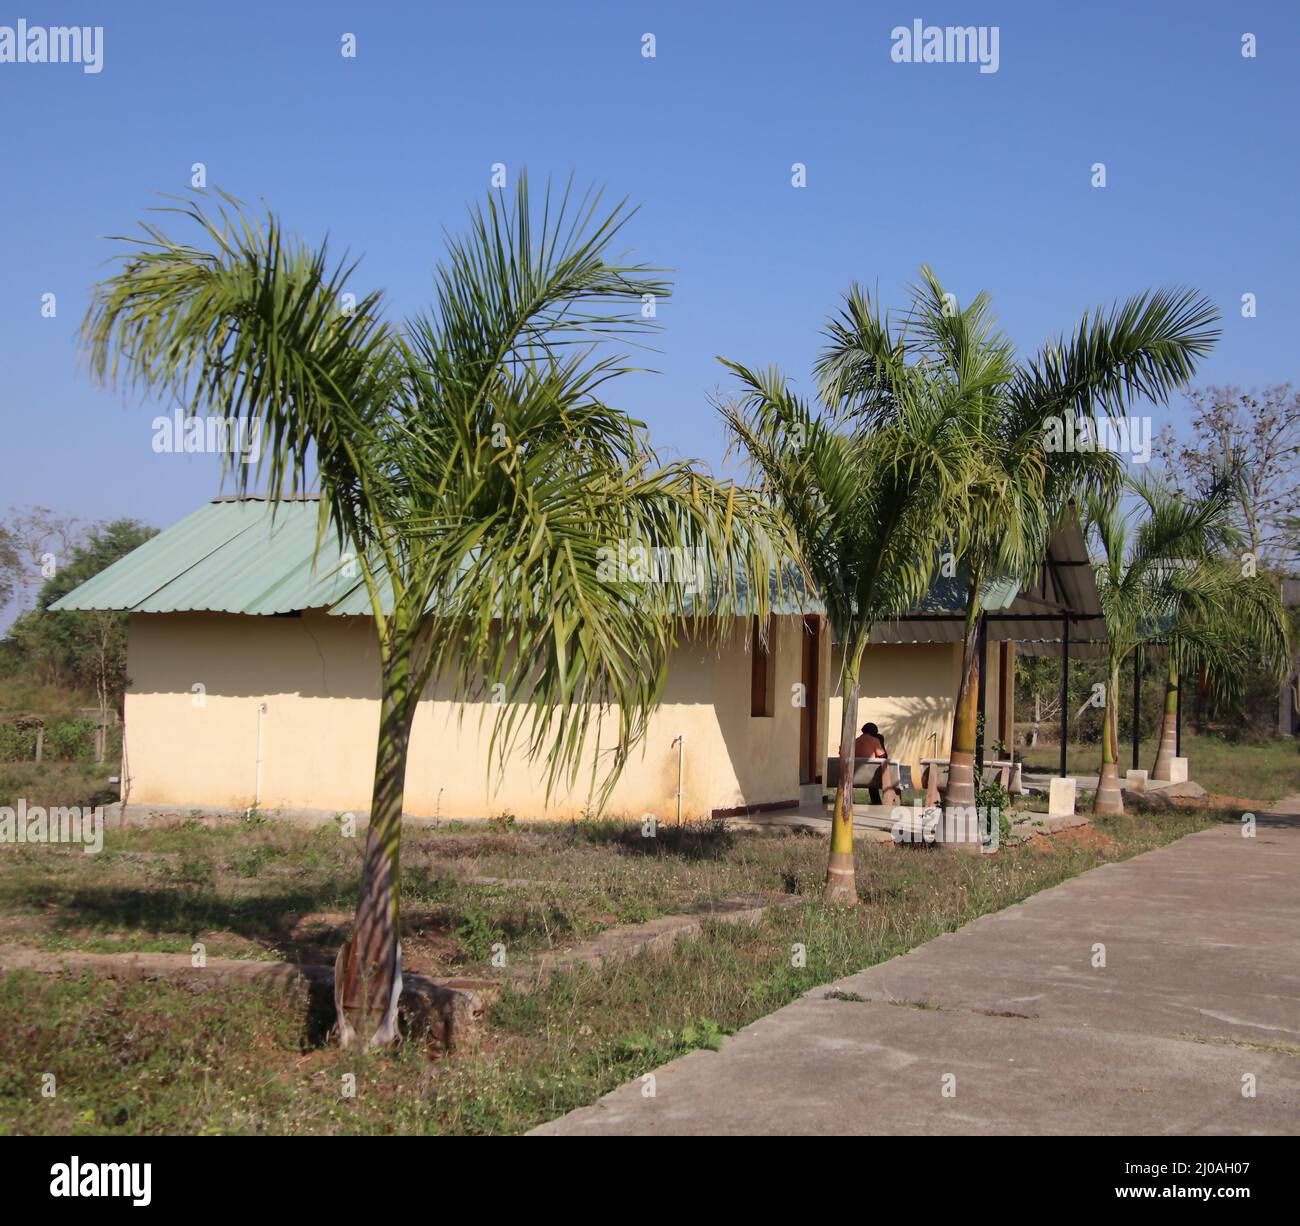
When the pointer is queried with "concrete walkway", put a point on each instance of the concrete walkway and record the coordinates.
(1008, 1027)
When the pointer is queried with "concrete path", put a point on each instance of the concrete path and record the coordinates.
(1008, 1027)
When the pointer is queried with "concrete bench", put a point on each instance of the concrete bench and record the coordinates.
(886, 776)
(1008, 773)
(934, 778)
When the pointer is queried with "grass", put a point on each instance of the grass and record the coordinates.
(151, 1057)
(59, 783)
(265, 889)
(1263, 773)
(22, 694)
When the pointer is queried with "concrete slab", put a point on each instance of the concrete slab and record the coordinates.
(871, 822)
(1016, 1024)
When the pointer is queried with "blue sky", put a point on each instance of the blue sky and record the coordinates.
(986, 176)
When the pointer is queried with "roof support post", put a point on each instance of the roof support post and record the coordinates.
(1065, 691)
(982, 640)
(1137, 701)
(1178, 722)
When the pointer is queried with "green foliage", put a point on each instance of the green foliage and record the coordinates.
(704, 1033)
(995, 802)
(869, 482)
(17, 744)
(78, 649)
(466, 454)
(70, 740)
(477, 931)
(1166, 575)
(1249, 712)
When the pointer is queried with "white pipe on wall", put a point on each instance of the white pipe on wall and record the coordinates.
(680, 741)
(257, 769)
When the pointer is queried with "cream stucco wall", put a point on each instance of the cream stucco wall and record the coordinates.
(318, 676)
(909, 692)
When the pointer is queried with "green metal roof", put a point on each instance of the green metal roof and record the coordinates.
(230, 556)
(256, 557)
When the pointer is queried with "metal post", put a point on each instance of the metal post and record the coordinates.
(1137, 700)
(1065, 691)
(1178, 719)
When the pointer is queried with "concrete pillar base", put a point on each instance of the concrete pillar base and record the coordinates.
(1060, 800)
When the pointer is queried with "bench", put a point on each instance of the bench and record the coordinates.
(1007, 773)
(888, 777)
(934, 778)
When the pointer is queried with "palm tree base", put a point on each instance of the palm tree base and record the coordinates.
(1165, 755)
(366, 1000)
(841, 880)
(1109, 801)
(961, 779)
(1162, 771)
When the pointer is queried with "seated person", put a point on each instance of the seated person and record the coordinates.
(870, 745)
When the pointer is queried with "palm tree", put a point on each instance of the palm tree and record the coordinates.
(1225, 619)
(469, 459)
(1163, 577)
(870, 497)
(1018, 417)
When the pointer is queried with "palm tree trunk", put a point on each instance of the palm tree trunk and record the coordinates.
(1110, 797)
(965, 716)
(368, 971)
(841, 884)
(1168, 750)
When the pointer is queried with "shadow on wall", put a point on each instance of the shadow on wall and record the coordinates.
(648, 785)
(307, 753)
(292, 663)
(314, 655)
(913, 727)
(759, 759)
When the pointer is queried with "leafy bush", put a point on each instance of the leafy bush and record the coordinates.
(17, 744)
(992, 798)
(70, 740)
(477, 931)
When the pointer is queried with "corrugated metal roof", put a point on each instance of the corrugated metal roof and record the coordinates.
(252, 556)
(230, 556)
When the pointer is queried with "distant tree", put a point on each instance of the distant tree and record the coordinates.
(1165, 575)
(74, 648)
(10, 565)
(1257, 432)
(33, 543)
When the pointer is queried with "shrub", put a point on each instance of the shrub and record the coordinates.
(17, 744)
(70, 740)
